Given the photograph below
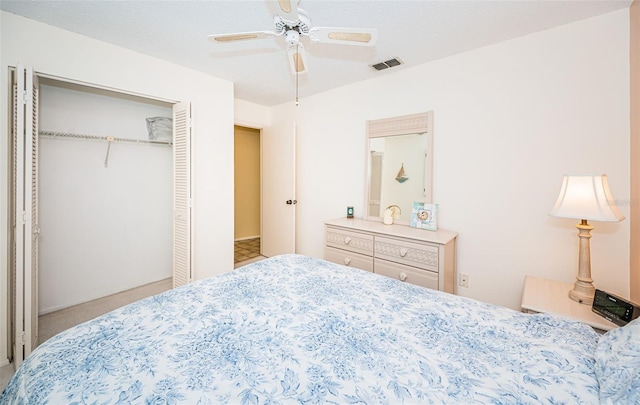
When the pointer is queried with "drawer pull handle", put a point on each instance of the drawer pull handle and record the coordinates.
(403, 276)
(403, 252)
(347, 240)
(347, 261)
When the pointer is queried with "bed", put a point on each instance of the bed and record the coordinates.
(294, 329)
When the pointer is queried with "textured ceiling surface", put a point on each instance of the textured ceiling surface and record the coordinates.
(416, 32)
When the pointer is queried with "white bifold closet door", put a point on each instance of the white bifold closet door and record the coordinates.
(181, 194)
(25, 214)
(24, 203)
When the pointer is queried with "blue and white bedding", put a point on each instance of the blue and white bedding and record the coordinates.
(293, 329)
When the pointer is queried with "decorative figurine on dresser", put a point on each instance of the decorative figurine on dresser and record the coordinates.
(383, 241)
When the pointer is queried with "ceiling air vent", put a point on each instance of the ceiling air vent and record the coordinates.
(386, 64)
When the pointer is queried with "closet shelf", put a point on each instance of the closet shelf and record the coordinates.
(109, 140)
(99, 138)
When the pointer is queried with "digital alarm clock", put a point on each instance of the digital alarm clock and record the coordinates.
(614, 308)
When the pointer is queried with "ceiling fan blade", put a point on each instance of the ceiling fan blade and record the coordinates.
(344, 36)
(288, 10)
(297, 59)
(241, 36)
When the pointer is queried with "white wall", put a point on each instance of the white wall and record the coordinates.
(103, 229)
(64, 54)
(509, 121)
(251, 115)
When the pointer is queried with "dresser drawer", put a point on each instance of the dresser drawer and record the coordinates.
(419, 255)
(350, 259)
(424, 278)
(351, 241)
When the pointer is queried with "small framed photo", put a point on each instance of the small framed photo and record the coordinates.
(424, 216)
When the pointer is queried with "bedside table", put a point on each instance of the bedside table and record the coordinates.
(552, 297)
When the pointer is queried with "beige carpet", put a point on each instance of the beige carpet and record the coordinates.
(6, 372)
(53, 323)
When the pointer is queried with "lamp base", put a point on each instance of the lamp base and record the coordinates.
(583, 289)
(583, 292)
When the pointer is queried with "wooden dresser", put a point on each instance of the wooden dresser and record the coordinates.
(408, 254)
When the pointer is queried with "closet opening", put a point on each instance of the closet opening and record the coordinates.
(105, 194)
(100, 202)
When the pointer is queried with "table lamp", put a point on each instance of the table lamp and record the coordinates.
(585, 197)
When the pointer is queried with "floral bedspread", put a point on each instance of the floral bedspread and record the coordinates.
(294, 329)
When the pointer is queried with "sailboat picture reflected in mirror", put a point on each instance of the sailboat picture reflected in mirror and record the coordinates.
(401, 177)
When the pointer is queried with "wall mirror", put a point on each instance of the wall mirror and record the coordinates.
(399, 165)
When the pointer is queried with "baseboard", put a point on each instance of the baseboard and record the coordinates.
(246, 237)
(248, 261)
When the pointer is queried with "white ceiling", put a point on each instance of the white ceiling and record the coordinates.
(414, 31)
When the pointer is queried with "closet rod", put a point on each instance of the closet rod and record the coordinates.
(99, 138)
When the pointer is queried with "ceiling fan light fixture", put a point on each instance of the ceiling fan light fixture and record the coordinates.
(292, 37)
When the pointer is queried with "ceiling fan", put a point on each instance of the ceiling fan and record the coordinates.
(294, 23)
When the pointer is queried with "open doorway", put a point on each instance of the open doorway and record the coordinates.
(247, 234)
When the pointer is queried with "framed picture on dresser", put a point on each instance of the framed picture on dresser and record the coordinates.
(424, 216)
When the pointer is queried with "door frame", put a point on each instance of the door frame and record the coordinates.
(270, 220)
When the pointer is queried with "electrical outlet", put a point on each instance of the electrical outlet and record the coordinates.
(463, 281)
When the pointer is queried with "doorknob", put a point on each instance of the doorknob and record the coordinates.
(289, 202)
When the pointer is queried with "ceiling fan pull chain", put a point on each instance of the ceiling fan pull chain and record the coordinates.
(297, 73)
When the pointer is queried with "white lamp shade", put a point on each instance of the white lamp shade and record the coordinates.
(586, 197)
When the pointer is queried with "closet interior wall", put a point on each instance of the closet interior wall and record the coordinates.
(106, 224)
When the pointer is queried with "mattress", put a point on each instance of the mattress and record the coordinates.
(295, 329)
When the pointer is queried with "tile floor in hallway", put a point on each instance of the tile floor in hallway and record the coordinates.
(246, 249)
